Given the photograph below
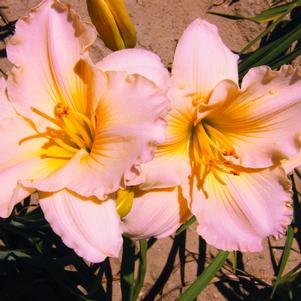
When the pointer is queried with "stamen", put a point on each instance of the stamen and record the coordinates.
(203, 138)
(60, 110)
(42, 135)
(45, 156)
(235, 172)
(222, 140)
(82, 131)
(204, 171)
(197, 151)
(85, 119)
(210, 147)
(217, 177)
(72, 131)
(65, 146)
(210, 141)
(77, 140)
(230, 153)
(38, 112)
(219, 168)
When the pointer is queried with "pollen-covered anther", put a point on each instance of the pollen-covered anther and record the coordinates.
(51, 132)
(61, 110)
(227, 163)
(230, 153)
(235, 172)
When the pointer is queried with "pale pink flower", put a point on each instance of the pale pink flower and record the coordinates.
(225, 143)
(158, 212)
(73, 132)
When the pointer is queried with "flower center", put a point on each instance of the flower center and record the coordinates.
(212, 151)
(72, 131)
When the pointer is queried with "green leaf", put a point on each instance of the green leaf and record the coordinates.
(142, 268)
(270, 14)
(186, 225)
(264, 33)
(13, 254)
(284, 257)
(127, 270)
(231, 17)
(270, 52)
(203, 280)
(286, 59)
(234, 261)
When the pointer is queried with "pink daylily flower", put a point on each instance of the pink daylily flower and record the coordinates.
(226, 143)
(73, 132)
(158, 212)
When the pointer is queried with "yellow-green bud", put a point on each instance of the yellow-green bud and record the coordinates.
(124, 202)
(113, 23)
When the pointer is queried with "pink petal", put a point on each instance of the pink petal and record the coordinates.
(137, 61)
(171, 166)
(263, 121)
(45, 49)
(12, 193)
(90, 227)
(202, 60)
(6, 109)
(59, 178)
(130, 125)
(20, 160)
(244, 211)
(156, 213)
(290, 164)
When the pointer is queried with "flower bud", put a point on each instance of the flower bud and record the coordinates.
(124, 202)
(111, 19)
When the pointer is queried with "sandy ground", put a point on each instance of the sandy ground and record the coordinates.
(159, 25)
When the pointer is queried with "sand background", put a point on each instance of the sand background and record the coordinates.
(159, 25)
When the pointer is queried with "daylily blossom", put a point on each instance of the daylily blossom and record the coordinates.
(113, 23)
(72, 132)
(225, 142)
(157, 212)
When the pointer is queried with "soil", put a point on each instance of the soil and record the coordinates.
(159, 25)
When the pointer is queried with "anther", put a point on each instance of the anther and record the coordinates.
(226, 153)
(233, 154)
(61, 110)
(228, 163)
(51, 132)
(235, 172)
